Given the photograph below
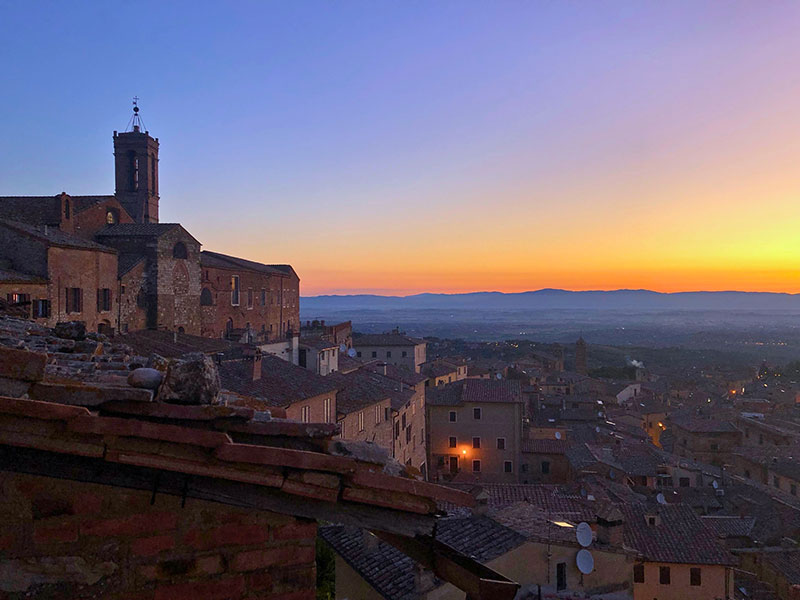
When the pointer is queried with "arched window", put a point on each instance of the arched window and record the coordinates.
(133, 183)
(206, 299)
(179, 250)
(181, 330)
(112, 216)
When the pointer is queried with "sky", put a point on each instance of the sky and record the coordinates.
(401, 147)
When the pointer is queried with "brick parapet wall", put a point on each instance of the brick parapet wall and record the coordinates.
(61, 539)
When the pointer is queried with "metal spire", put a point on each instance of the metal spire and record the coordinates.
(135, 123)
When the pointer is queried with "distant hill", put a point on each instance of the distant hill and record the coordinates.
(552, 299)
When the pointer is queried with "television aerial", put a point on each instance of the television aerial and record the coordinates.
(585, 561)
(558, 435)
(351, 353)
(661, 499)
(584, 534)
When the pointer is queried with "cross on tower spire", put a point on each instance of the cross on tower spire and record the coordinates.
(135, 123)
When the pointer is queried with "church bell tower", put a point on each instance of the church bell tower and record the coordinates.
(136, 170)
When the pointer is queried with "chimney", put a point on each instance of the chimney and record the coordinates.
(424, 580)
(257, 365)
(610, 527)
(481, 500)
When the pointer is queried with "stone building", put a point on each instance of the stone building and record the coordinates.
(158, 280)
(394, 348)
(580, 356)
(475, 430)
(57, 276)
(246, 299)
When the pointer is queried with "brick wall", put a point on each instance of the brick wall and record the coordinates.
(62, 539)
(88, 222)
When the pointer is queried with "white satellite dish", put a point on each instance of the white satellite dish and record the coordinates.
(585, 561)
(498, 376)
(584, 534)
(597, 429)
(714, 484)
(660, 498)
(342, 348)
(599, 413)
(351, 353)
(611, 473)
(558, 435)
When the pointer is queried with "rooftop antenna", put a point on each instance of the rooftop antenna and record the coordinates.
(135, 123)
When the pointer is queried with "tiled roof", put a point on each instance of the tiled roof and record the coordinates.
(679, 535)
(137, 230)
(35, 210)
(82, 203)
(126, 262)
(281, 383)
(697, 424)
(108, 428)
(786, 562)
(475, 391)
(407, 376)
(317, 343)
(9, 276)
(384, 339)
(223, 261)
(725, 526)
(534, 523)
(545, 446)
(392, 574)
(55, 237)
(364, 387)
(170, 344)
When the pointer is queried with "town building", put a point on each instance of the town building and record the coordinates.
(704, 439)
(475, 430)
(580, 356)
(318, 355)
(394, 348)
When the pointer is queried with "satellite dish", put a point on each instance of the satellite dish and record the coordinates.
(584, 534)
(597, 429)
(611, 473)
(585, 561)
(660, 498)
(599, 413)
(351, 353)
(714, 484)
(558, 435)
(342, 348)
(498, 376)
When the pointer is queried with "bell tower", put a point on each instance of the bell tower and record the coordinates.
(136, 170)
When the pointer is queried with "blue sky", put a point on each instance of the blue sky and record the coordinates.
(410, 146)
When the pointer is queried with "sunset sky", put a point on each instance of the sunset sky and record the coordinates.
(401, 147)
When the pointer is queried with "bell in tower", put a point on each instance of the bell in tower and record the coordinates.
(136, 170)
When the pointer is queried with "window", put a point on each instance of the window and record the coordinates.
(714, 447)
(305, 414)
(74, 300)
(361, 421)
(545, 467)
(476, 466)
(374, 354)
(388, 354)
(524, 468)
(179, 250)
(386, 413)
(476, 442)
(111, 217)
(358, 354)
(452, 416)
(760, 438)
(440, 461)
(747, 473)
(327, 409)
(235, 290)
(501, 443)
(663, 575)
(263, 297)
(377, 414)
(18, 298)
(638, 573)
(683, 482)
(476, 413)
(206, 299)
(561, 576)
(404, 354)
(694, 576)
(249, 297)
(776, 481)
(508, 467)
(103, 299)
(66, 209)
(41, 309)
(403, 419)
(453, 441)
(408, 434)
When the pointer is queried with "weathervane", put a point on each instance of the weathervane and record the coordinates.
(135, 123)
